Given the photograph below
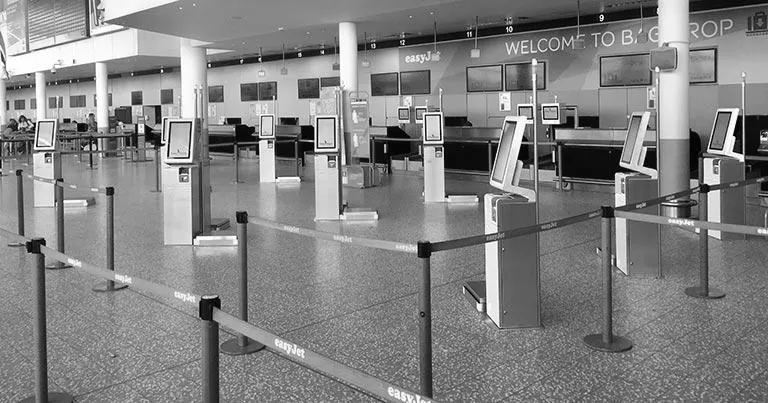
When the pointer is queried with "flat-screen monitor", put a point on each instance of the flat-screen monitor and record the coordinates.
(266, 127)
(432, 130)
(45, 134)
(403, 115)
(420, 111)
(415, 82)
(525, 110)
(233, 121)
(180, 141)
(505, 174)
(384, 84)
(326, 136)
(633, 152)
(722, 140)
(551, 114)
(164, 134)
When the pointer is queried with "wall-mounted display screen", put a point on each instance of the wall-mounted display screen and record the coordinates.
(384, 84)
(268, 91)
(249, 92)
(77, 101)
(525, 111)
(166, 96)
(484, 78)
(403, 114)
(19, 104)
(625, 71)
(330, 82)
(216, 93)
(45, 136)
(420, 111)
(309, 88)
(326, 133)
(415, 82)
(518, 76)
(703, 66)
(179, 140)
(137, 98)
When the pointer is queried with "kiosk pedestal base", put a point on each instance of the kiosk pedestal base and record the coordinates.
(52, 398)
(698, 292)
(288, 180)
(725, 206)
(359, 214)
(637, 243)
(475, 293)
(462, 199)
(86, 202)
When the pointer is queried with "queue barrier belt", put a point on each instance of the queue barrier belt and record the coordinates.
(688, 223)
(731, 185)
(658, 200)
(134, 282)
(69, 185)
(317, 362)
(345, 239)
(513, 233)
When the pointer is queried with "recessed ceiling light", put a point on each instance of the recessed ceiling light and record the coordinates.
(307, 32)
(410, 17)
(280, 28)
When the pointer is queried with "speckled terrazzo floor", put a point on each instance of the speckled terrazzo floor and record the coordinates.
(358, 306)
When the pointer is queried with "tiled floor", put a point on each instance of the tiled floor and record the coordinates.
(358, 306)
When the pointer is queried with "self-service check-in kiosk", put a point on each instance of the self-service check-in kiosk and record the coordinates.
(511, 292)
(183, 217)
(434, 162)
(267, 146)
(637, 243)
(328, 191)
(724, 164)
(47, 163)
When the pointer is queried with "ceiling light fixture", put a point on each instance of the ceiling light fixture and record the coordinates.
(261, 72)
(366, 63)
(579, 43)
(475, 52)
(335, 66)
(642, 36)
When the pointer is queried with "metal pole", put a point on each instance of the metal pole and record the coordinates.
(210, 348)
(560, 182)
(59, 201)
(703, 291)
(158, 174)
(534, 65)
(607, 341)
(19, 207)
(110, 285)
(90, 151)
(373, 152)
(39, 329)
(242, 345)
(490, 156)
(298, 157)
(237, 164)
(425, 320)
(744, 117)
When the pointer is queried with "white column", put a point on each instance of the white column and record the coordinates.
(3, 99)
(674, 154)
(42, 102)
(102, 103)
(348, 78)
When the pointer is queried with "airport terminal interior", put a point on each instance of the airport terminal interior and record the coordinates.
(360, 200)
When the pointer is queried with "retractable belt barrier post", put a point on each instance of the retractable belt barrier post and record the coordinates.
(298, 158)
(237, 164)
(59, 201)
(90, 152)
(703, 290)
(210, 348)
(607, 341)
(110, 285)
(425, 319)
(242, 345)
(158, 170)
(39, 329)
(19, 206)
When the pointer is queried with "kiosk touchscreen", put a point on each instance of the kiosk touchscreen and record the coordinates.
(552, 114)
(403, 115)
(433, 128)
(419, 112)
(506, 171)
(723, 141)
(633, 154)
(45, 134)
(267, 127)
(637, 243)
(180, 142)
(326, 134)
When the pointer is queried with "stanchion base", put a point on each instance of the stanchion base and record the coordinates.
(236, 182)
(698, 292)
(53, 398)
(155, 191)
(233, 347)
(16, 245)
(619, 344)
(104, 287)
(58, 266)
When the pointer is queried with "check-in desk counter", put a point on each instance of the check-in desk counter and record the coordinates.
(390, 142)
(472, 149)
(227, 135)
(592, 155)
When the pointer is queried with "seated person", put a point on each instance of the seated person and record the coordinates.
(25, 125)
(8, 134)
